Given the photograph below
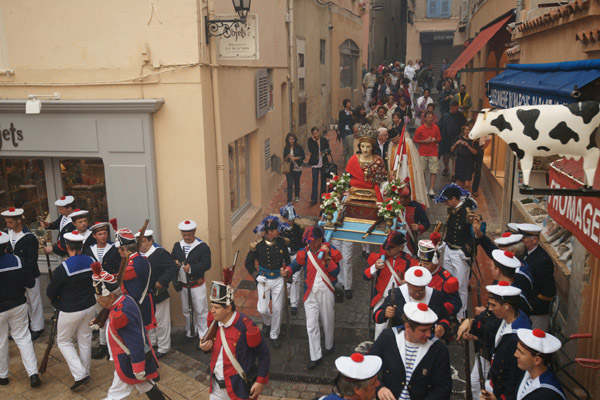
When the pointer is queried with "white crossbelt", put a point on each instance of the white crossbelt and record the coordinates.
(321, 273)
(394, 274)
(231, 357)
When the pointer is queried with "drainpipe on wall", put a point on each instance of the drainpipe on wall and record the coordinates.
(519, 9)
(468, 18)
(214, 74)
(290, 11)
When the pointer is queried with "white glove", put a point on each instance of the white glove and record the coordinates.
(140, 376)
(261, 279)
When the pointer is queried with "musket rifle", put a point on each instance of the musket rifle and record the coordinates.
(189, 297)
(50, 344)
(227, 279)
(372, 227)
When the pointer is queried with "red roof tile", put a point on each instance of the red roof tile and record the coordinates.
(554, 15)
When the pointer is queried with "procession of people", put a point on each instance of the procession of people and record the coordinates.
(419, 304)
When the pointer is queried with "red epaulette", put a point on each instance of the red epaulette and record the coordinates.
(451, 285)
(129, 273)
(119, 319)
(253, 337)
(446, 274)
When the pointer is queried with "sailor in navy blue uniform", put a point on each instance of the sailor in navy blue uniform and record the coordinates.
(80, 221)
(415, 365)
(192, 256)
(415, 290)
(356, 379)
(71, 292)
(133, 357)
(164, 270)
(136, 276)
(293, 239)
(23, 244)
(534, 353)
(107, 254)
(542, 270)
(14, 279)
(63, 223)
(504, 374)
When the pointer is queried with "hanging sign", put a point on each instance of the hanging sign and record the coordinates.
(579, 215)
(240, 41)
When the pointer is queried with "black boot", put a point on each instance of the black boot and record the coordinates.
(155, 394)
(100, 352)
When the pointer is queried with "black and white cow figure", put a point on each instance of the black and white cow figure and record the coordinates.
(567, 130)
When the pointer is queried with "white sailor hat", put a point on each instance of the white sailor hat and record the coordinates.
(64, 201)
(358, 367)
(503, 289)
(530, 229)
(187, 225)
(147, 233)
(539, 341)
(418, 276)
(420, 313)
(3, 237)
(513, 227)
(99, 225)
(74, 237)
(506, 258)
(508, 238)
(12, 212)
(77, 213)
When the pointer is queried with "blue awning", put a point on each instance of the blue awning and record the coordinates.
(531, 84)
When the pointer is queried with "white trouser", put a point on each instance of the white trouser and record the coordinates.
(321, 302)
(540, 322)
(200, 309)
(475, 385)
(295, 287)
(345, 275)
(120, 390)
(218, 393)
(71, 324)
(36, 310)
(161, 335)
(16, 320)
(270, 289)
(379, 327)
(368, 95)
(458, 265)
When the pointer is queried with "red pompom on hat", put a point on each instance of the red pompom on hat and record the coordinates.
(506, 234)
(96, 268)
(419, 273)
(422, 306)
(357, 357)
(11, 209)
(509, 254)
(539, 333)
(435, 237)
(503, 283)
(63, 198)
(187, 222)
(75, 233)
(76, 210)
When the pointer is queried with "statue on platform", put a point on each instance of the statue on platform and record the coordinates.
(366, 168)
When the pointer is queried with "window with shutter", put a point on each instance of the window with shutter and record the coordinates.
(432, 9)
(445, 8)
(262, 93)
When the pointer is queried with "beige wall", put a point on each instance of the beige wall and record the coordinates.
(487, 12)
(93, 50)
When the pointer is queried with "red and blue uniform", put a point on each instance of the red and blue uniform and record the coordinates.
(443, 281)
(136, 283)
(128, 342)
(248, 347)
(331, 269)
(400, 264)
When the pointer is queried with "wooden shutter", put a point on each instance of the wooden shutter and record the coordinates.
(262, 93)
(432, 8)
(445, 8)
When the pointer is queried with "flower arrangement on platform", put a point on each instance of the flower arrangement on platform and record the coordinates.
(396, 188)
(330, 202)
(339, 184)
(390, 208)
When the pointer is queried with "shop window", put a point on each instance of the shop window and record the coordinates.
(239, 177)
(302, 113)
(349, 53)
(23, 185)
(85, 180)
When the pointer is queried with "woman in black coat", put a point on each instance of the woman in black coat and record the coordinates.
(295, 153)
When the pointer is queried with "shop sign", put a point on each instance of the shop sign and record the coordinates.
(504, 98)
(436, 37)
(579, 215)
(240, 42)
(10, 136)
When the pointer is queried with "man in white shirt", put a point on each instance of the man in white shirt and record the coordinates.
(368, 82)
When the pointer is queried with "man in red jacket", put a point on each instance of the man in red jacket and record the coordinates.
(387, 267)
(321, 263)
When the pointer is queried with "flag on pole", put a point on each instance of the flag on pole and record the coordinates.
(401, 159)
